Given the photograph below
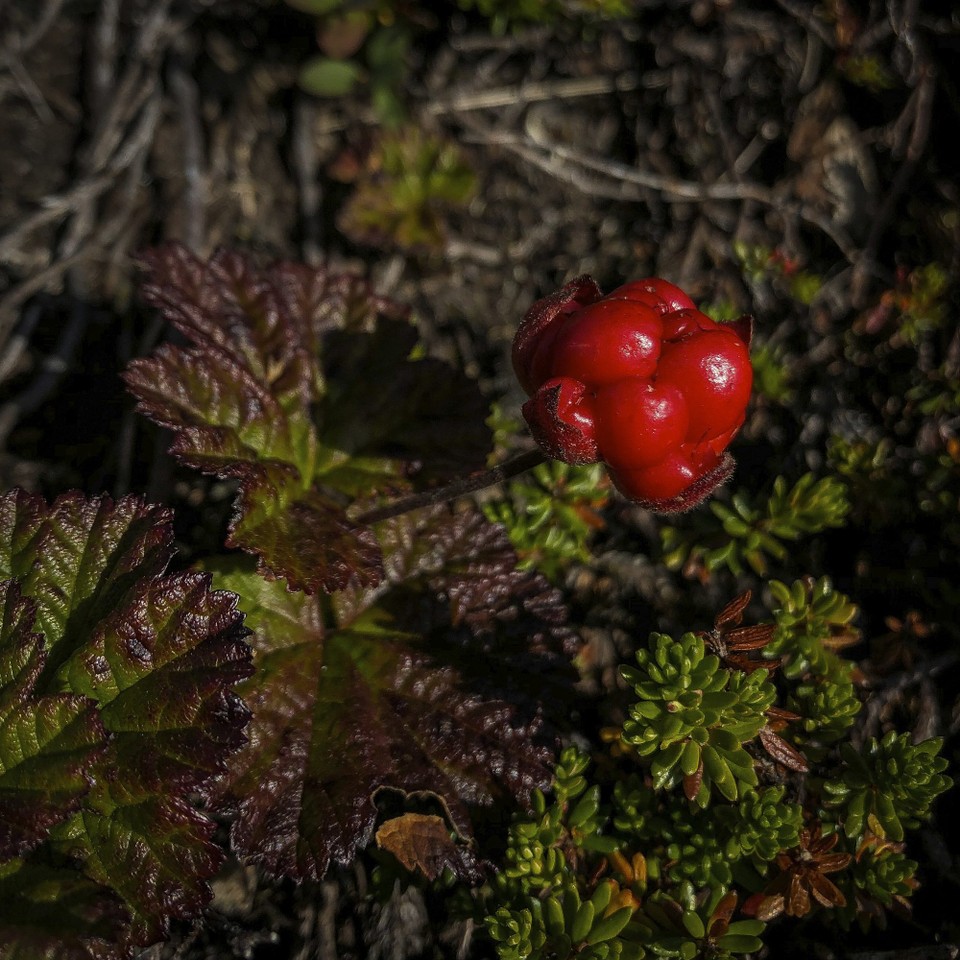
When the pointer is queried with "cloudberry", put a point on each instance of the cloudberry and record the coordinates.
(640, 379)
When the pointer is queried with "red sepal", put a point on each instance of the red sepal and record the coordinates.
(742, 327)
(533, 336)
(560, 418)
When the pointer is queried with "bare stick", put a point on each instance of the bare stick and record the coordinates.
(187, 97)
(940, 951)
(673, 188)
(459, 488)
(306, 164)
(51, 370)
(619, 181)
(103, 65)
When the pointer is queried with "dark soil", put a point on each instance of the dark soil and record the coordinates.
(651, 145)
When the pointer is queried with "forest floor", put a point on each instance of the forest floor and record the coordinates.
(752, 153)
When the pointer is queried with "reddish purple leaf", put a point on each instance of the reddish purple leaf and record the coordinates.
(128, 682)
(433, 682)
(47, 743)
(782, 752)
(301, 385)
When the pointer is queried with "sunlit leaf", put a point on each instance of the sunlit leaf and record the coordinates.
(47, 743)
(422, 843)
(116, 709)
(303, 386)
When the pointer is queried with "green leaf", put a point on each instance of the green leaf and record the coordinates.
(553, 916)
(123, 698)
(399, 688)
(56, 913)
(609, 927)
(387, 49)
(586, 808)
(326, 77)
(690, 758)
(739, 943)
(47, 743)
(693, 924)
(301, 385)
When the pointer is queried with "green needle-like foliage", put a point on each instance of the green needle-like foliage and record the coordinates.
(813, 619)
(883, 873)
(689, 926)
(516, 933)
(771, 373)
(693, 717)
(564, 925)
(746, 534)
(545, 915)
(680, 842)
(550, 515)
(761, 825)
(534, 859)
(683, 842)
(892, 782)
(827, 704)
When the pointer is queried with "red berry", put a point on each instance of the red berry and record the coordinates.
(654, 292)
(713, 370)
(541, 324)
(639, 422)
(685, 323)
(662, 481)
(639, 378)
(607, 341)
(674, 485)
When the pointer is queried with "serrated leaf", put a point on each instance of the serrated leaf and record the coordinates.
(51, 913)
(422, 415)
(47, 743)
(304, 537)
(422, 843)
(134, 712)
(82, 560)
(432, 683)
(302, 386)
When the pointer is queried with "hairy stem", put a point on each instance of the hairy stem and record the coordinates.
(459, 488)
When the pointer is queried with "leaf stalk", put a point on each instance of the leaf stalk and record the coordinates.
(451, 491)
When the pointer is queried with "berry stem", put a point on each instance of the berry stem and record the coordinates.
(459, 488)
